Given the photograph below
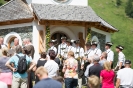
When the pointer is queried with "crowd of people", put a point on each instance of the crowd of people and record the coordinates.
(67, 66)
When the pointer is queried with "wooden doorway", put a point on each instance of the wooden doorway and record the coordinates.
(11, 42)
(58, 36)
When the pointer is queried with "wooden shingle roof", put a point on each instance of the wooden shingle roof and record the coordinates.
(68, 13)
(15, 10)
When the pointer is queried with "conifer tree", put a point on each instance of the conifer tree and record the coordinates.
(118, 2)
(129, 9)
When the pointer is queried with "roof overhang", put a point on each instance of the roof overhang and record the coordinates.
(19, 21)
(70, 15)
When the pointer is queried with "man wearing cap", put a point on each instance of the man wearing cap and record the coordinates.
(79, 51)
(88, 51)
(62, 47)
(95, 50)
(121, 57)
(79, 54)
(52, 47)
(68, 48)
(125, 76)
(110, 53)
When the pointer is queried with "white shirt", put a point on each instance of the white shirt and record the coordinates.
(61, 48)
(3, 45)
(53, 48)
(78, 52)
(87, 70)
(52, 68)
(3, 85)
(97, 52)
(121, 58)
(68, 48)
(110, 55)
(88, 53)
(126, 76)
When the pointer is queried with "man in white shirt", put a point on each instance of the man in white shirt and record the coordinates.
(62, 47)
(79, 51)
(68, 48)
(110, 53)
(88, 51)
(2, 42)
(95, 50)
(79, 54)
(52, 47)
(125, 76)
(121, 57)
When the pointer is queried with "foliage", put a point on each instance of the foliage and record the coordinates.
(2, 2)
(47, 37)
(107, 10)
(88, 38)
(129, 8)
(118, 2)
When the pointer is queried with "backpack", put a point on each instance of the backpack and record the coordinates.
(22, 64)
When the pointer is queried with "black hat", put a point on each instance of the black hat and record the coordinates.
(120, 47)
(88, 44)
(63, 37)
(109, 43)
(52, 41)
(76, 41)
(68, 40)
(94, 43)
(127, 62)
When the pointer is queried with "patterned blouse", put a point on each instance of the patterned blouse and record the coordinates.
(71, 66)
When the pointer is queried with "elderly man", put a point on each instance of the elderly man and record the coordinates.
(2, 42)
(16, 42)
(28, 47)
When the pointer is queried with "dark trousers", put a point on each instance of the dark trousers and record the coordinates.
(71, 83)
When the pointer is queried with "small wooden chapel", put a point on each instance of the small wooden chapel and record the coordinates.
(42, 20)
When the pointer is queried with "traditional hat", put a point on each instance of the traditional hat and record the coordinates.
(76, 41)
(68, 40)
(94, 43)
(52, 41)
(120, 47)
(127, 62)
(88, 44)
(63, 37)
(109, 43)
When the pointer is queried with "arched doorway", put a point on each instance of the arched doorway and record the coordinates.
(11, 42)
(9, 39)
(58, 36)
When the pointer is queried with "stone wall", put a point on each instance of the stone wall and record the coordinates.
(101, 38)
(23, 32)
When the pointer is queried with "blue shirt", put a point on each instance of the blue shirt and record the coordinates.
(48, 83)
(14, 60)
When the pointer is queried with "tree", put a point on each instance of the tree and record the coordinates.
(118, 2)
(129, 8)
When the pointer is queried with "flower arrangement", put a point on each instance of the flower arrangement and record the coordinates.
(88, 37)
(47, 35)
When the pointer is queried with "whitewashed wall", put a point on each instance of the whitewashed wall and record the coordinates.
(73, 2)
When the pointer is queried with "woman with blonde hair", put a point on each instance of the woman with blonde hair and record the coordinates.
(107, 76)
(70, 71)
(93, 82)
(5, 72)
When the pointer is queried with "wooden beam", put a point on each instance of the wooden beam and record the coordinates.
(16, 21)
(66, 23)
